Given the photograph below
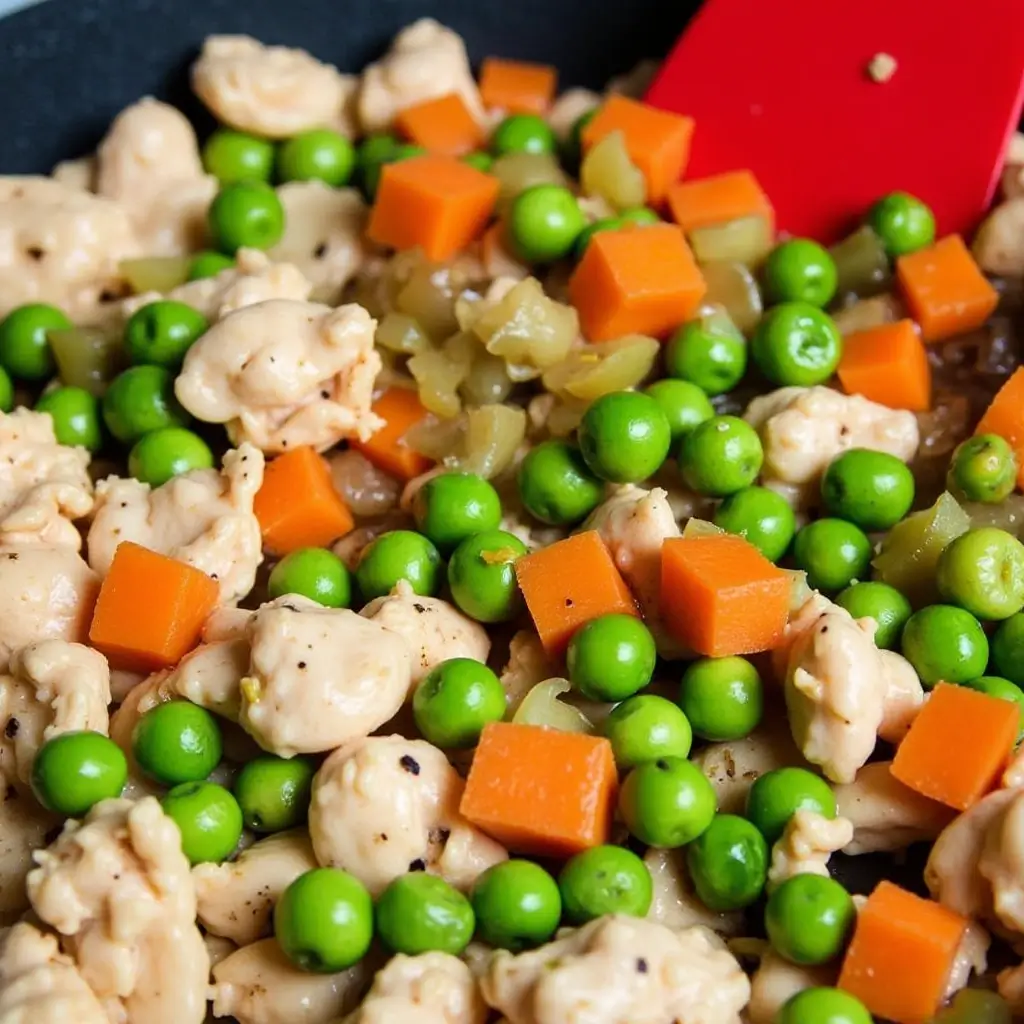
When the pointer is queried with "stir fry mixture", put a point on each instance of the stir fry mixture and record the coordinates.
(456, 568)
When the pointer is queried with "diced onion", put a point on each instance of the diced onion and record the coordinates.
(541, 706)
(155, 273)
(744, 240)
(608, 172)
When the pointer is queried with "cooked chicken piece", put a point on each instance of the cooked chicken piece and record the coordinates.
(203, 517)
(218, 949)
(45, 485)
(635, 82)
(1011, 985)
(971, 958)
(140, 699)
(61, 245)
(776, 981)
(50, 688)
(434, 630)
(236, 898)
(999, 244)
(617, 970)
(426, 61)
(568, 108)
(210, 676)
(24, 826)
(674, 902)
(282, 374)
(273, 91)
(807, 842)
(259, 985)
(386, 805)
(38, 985)
(117, 887)
(528, 665)
(76, 174)
(367, 490)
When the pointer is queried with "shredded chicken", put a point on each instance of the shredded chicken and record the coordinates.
(528, 664)
(999, 244)
(273, 91)
(674, 903)
(45, 486)
(807, 842)
(776, 981)
(77, 174)
(203, 518)
(386, 805)
(24, 826)
(971, 958)
(619, 970)
(282, 374)
(568, 108)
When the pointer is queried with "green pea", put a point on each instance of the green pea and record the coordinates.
(232, 156)
(872, 489)
(273, 792)
(544, 222)
(761, 515)
(878, 601)
(209, 819)
(722, 698)
(523, 133)
(777, 795)
(555, 484)
(177, 742)
(720, 456)
(1008, 649)
(796, 344)
(455, 701)
(453, 506)
(983, 468)
(141, 400)
(728, 863)
(420, 913)
(833, 553)
(902, 222)
(209, 264)
(646, 728)
(982, 571)
(824, 1006)
(809, 918)
(482, 576)
(639, 216)
(164, 454)
(945, 644)
(315, 573)
(323, 921)
(246, 214)
(7, 392)
(800, 271)
(710, 352)
(318, 155)
(479, 161)
(588, 232)
(75, 770)
(605, 880)
(76, 417)
(667, 803)
(611, 657)
(162, 332)
(517, 905)
(995, 686)
(24, 349)
(399, 555)
(624, 436)
(684, 404)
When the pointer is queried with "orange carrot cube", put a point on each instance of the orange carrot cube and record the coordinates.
(899, 960)
(657, 142)
(945, 290)
(1005, 417)
(539, 791)
(443, 125)
(435, 202)
(297, 506)
(636, 281)
(720, 198)
(888, 365)
(400, 409)
(150, 610)
(569, 583)
(517, 86)
(933, 758)
(720, 596)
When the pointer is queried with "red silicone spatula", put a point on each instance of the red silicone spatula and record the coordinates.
(782, 87)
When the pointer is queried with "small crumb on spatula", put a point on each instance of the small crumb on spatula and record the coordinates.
(882, 67)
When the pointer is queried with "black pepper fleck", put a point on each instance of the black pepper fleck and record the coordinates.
(420, 608)
(568, 602)
(302, 664)
(419, 864)
(410, 764)
(641, 965)
(11, 728)
(34, 252)
(320, 251)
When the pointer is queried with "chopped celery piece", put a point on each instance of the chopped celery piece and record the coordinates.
(910, 551)
(700, 528)
(541, 706)
(743, 240)
(87, 357)
(862, 265)
(975, 1006)
(732, 286)
(155, 273)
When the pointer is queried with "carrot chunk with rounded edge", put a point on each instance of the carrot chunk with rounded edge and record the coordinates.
(297, 506)
(150, 609)
(934, 758)
(1005, 417)
(899, 959)
(657, 142)
(945, 289)
(517, 86)
(539, 791)
(888, 365)
(720, 596)
(720, 198)
(435, 202)
(400, 409)
(443, 125)
(636, 281)
(569, 583)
